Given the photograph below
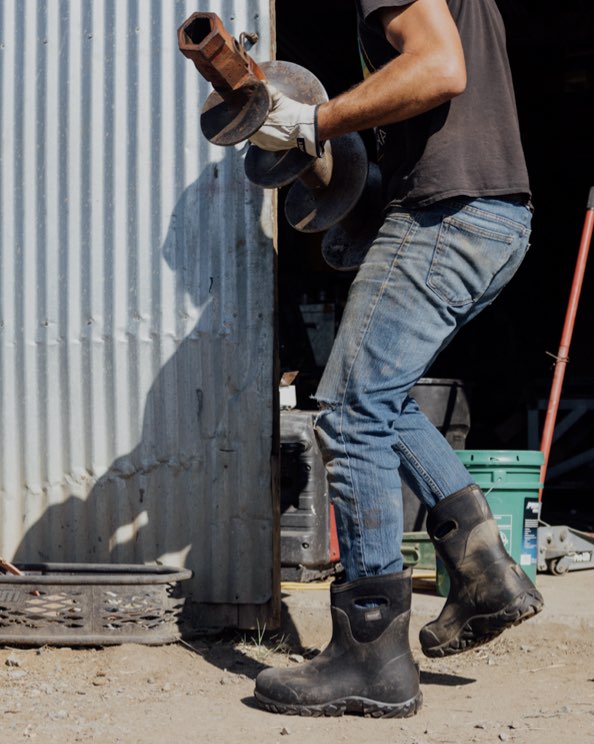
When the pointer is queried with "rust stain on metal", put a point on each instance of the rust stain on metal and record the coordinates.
(240, 101)
(217, 55)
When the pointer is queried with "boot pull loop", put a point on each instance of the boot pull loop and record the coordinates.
(445, 529)
(366, 603)
(369, 616)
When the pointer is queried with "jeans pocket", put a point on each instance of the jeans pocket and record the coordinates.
(467, 256)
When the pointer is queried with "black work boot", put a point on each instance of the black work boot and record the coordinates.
(489, 592)
(367, 667)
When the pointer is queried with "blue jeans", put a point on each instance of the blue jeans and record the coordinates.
(428, 272)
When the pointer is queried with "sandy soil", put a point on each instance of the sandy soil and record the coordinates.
(533, 684)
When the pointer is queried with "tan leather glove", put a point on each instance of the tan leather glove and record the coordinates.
(289, 124)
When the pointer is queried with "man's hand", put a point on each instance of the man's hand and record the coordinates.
(289, 124)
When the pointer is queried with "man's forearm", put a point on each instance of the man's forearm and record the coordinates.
(406, 87)
(428, 71)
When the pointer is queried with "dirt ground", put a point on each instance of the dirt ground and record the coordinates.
(533, 684)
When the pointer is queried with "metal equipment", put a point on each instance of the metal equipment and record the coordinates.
(562, 549)
(325, 189)
(339, 190)
(345, 245)
(240, 101)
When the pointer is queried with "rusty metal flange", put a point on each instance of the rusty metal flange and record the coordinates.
(230, 120)
(240, 102)
(324, 189)
(345, 245)
(273, 170)
(315, 209)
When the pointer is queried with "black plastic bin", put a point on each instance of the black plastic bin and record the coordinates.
(306, 549)
(306, 526)
(445, 404)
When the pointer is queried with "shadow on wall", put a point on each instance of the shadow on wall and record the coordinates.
(167, 496)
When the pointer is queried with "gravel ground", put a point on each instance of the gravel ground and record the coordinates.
(533, 684)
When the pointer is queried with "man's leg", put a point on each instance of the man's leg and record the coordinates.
(395, 322)
(426, 275)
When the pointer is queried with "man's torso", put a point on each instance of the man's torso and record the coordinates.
(470, 145)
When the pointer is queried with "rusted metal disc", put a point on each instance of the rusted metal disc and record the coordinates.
(345, 245)
(234, 118)
(317, 209)
(272, 170)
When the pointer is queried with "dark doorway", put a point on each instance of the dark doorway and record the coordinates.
(504, 356)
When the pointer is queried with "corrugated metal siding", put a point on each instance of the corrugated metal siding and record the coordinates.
(136, 301)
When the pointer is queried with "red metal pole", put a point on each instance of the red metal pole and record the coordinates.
(562, 358)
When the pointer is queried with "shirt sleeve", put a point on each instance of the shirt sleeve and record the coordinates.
(370, 6)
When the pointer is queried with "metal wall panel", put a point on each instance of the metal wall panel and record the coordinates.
(136, 301)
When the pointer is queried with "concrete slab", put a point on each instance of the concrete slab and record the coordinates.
(569, 601)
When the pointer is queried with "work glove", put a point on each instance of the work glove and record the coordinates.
(289, 124)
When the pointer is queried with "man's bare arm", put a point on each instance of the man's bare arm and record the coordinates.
(429, 70)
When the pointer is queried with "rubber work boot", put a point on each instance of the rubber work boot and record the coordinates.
(366, 668)
(489, 592)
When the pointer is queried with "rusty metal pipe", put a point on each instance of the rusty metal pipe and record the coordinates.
(324, 189)
(240, 102)
(217, 55)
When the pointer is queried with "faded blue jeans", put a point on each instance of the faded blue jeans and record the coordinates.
(428, 272)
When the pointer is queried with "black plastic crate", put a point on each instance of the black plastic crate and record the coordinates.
(446, 405)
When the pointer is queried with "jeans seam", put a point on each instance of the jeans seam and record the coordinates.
(414, 462)
(482, 232)
(357, 520)
(492, 216)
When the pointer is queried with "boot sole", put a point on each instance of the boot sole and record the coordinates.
(482, 629)
(351, 704)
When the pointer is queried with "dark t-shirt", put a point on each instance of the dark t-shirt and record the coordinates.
(468, 146)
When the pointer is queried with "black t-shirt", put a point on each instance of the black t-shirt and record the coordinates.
(468, 146)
